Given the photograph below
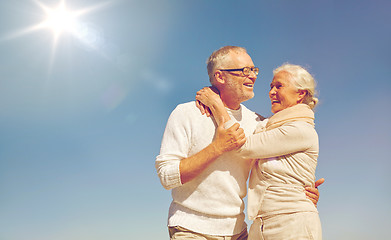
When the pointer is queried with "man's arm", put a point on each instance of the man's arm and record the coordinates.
(225, 141)
(312, 193)
(174, 166)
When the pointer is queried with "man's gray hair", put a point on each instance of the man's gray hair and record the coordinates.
(219, 57)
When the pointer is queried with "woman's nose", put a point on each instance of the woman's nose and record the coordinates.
(272, 91)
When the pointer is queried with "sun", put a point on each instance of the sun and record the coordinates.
(60, 19)
(63, 20)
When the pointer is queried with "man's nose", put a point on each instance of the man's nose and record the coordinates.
(253, 76)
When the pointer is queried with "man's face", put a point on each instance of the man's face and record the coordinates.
(238, 87)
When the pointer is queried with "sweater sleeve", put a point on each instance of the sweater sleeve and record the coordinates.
(289, 138)
(174, 147)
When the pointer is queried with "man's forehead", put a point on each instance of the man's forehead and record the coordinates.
(239, 59)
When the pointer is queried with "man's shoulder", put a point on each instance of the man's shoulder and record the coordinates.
(186, 107)
(186, 110)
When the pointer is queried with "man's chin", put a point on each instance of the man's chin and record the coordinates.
(250, 96)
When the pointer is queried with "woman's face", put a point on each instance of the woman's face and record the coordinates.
(283, 93)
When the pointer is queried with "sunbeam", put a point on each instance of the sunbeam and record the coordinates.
(62, 20)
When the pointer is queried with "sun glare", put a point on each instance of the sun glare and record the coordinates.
(60, 20)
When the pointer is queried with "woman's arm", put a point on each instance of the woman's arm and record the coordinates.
(289, 138)
(213, 103)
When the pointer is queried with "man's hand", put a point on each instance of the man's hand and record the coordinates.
(225, 140)
(313, 193)
(229, 139)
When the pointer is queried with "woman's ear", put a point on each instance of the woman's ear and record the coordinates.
(302, 94)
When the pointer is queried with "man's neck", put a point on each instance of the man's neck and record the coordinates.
(232, 105)
(230, 101)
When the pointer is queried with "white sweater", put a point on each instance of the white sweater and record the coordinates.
(211, 203)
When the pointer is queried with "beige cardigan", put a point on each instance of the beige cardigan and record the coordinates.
(287, 150)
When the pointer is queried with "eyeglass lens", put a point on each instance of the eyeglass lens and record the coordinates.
(247, 70)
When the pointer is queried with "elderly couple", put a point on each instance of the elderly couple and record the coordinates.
(210, 146)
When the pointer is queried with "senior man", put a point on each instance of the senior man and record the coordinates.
(208, 182)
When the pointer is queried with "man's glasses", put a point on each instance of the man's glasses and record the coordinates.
(246, 70)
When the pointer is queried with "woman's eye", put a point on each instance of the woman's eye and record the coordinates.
(278, 86)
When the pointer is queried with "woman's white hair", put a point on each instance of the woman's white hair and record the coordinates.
(302, 80)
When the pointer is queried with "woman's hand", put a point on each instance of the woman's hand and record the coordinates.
(229, 139)
(204, 109)
(209, 96)
(210, 103)
(206, 96)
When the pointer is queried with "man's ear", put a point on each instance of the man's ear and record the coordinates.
(219, 77)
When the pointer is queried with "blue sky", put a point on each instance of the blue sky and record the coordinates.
(82, 117)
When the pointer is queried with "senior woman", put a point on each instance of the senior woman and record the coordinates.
(286, 149)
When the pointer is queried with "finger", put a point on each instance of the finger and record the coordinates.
(312, 190)
(319, 182)
(234, 127)
(243, 136)
(242, 142)
(313, 197)
(201, 107)
(313, 201)
(208, 112)
(241, 131)
(198, 104)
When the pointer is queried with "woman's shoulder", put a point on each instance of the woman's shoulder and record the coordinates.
(302, 128)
